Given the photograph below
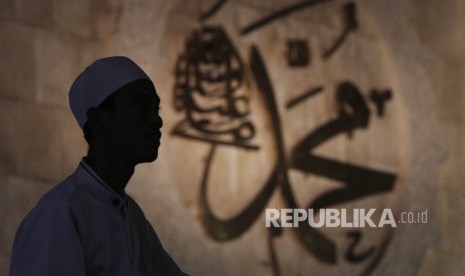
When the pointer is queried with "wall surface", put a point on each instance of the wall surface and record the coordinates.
(413, 149)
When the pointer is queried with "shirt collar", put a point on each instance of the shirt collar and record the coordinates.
(98, 187)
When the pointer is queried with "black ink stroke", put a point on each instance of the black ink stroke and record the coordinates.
(351, 255)
(351, 24)
(310, 93)
(276, 15)
(212, 10)
(298, 53)
(227, 229)
(379, 98)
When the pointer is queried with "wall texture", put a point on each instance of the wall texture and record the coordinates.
(413, 48)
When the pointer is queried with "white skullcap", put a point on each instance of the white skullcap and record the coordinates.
(98, 81)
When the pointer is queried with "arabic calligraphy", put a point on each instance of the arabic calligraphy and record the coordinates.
(211, 90)
(208, 77)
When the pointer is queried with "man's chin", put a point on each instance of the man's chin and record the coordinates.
(151, 158)
(147, 158)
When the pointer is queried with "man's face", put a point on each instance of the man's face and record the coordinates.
(133, 125)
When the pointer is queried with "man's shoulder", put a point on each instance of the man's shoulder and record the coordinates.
(60, 197)
(54, 205)
(63, 193)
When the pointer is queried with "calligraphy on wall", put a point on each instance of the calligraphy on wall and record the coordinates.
(213, 93)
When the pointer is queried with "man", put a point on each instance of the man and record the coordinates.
(87, 225)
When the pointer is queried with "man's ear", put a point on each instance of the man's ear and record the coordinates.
(97, 118)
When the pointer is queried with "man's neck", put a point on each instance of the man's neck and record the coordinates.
(114, 171)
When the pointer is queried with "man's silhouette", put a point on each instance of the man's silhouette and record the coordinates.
(87, 225)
